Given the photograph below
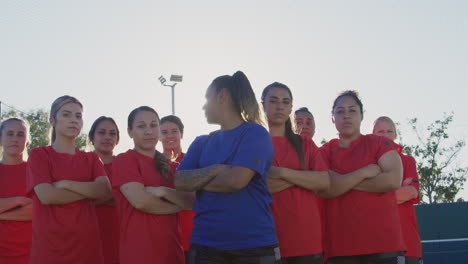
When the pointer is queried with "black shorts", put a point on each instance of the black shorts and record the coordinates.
(381, 258)
(409, 260)
(308, 259)
(199, 254)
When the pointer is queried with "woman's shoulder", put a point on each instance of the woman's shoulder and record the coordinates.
(379, 142)
(307, 142)
(256, 129)
(40, 152)
(129, 154)
(330, 144)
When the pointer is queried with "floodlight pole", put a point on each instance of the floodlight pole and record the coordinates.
(173, 96)
(175, 79)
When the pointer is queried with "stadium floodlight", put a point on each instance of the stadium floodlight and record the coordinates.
(176, 79)
(162, 79)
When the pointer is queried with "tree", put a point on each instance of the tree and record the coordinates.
(38, 120)
(440, 178)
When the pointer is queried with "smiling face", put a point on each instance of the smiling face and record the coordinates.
(105, 137)
(277, 105)
(13, 138)
(170, 135)
(305, 124)
(386, 129)
(347, 117)
(144, 131)
(68, 121)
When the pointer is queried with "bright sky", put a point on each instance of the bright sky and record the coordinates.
(406, 58)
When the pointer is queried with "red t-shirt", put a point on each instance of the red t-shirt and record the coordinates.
(409, 225)
(66, 233)
(180, 157)
(109, 227)
(359, 223)
(297, 211)
(15, 236)
(144, 238)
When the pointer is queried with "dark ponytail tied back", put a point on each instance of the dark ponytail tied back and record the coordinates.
(242, 95)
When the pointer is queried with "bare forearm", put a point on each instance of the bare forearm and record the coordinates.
(342, 183)
(193, 180)
(231, 179)
(220, 184)
(159, 207)
(8, 203)
(311, 180)
(406, 193)
(278, 185)
(49, 194)
(384, 182)
(61, 196)
(96, 190)
(184, 200)
(389, 179)
(23, 213)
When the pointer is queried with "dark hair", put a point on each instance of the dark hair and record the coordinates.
(57, 105)
(96, 123)
(174, 119)
(242, 95)
(295, 140)
(352, 94)
(304, 110)
(160, 161)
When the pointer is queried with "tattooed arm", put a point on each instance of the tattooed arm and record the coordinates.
(196, 179)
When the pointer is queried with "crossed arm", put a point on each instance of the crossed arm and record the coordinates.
(214, 178)
(384, 177)
(389, 179)
(406, 192)
(17, 208)
(66, 191)
(156, 200)
(282, 178)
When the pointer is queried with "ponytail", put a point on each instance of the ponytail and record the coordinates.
(295, 140)
(242, 95)
(161, 162)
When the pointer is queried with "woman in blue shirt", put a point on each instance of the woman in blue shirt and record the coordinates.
(228, 170)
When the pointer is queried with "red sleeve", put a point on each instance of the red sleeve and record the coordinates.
(98, 167)
(410, 175)
(38, 170)
(321, 159)
(383, 145)
(316, 162)
(125, 169)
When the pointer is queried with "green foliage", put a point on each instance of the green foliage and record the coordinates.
(81, 141)
(39, 129)
(323, 141)
(440, 178)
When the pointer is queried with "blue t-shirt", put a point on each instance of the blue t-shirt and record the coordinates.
(241, 219)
